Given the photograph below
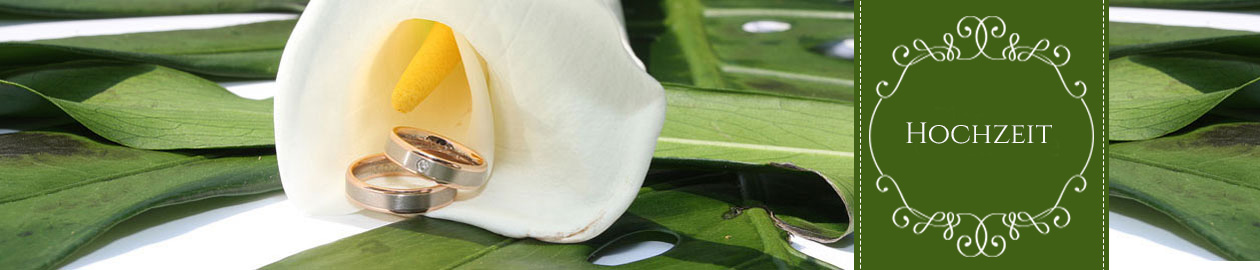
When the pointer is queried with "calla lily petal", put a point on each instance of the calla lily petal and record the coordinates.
(547, 91)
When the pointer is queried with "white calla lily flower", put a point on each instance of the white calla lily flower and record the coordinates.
(546, 91)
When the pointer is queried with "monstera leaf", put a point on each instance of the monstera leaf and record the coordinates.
(1136, 38)
(59, 190)
(734, 127)
(797, 110)
(704, 43)
(1153, 95)
(1205, 179)
(718, 217)
(140, 105)
(122, 8)
(1188, 4)
(242, 51)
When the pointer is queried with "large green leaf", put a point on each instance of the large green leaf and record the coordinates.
(1153, 95)
(816, 135)
(1188, 4)
(60, 190)
(142, 105)
(1136, 38)
(797, 112)
(715, 219)
(703, 43)
(1206, 179)
(125, 8)
(242, 51)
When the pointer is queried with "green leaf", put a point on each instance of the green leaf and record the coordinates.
(712, 217)
(241, 51)
(127, 8)
(816, 135)
(1205, 179)
(797, 111)
(1153, 95)
(703, 43)
(146, 106)
(1136, 38)
(60, 190)
(1188, 4)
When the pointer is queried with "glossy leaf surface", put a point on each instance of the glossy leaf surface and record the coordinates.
(60, 190)
(125, 8)
(1136, 38)
(1188, 4)
(713, 215)
(241, 51)
(1205, 179)
(141, 105)
(1153, 95)
(727, 126)
(707, 44)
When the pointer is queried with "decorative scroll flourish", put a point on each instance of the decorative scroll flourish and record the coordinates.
(980, 30)
(980, 241)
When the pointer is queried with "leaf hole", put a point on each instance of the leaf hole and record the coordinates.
(633, 247)
(766, 26)
(842, 49)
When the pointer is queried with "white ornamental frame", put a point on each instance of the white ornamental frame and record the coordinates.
(1059, 216)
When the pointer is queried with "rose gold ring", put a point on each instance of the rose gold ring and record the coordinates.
(392, 200)
(439, 158)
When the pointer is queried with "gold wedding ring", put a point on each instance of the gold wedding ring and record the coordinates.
(446, 161)
(392, 200)
(413, 152)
